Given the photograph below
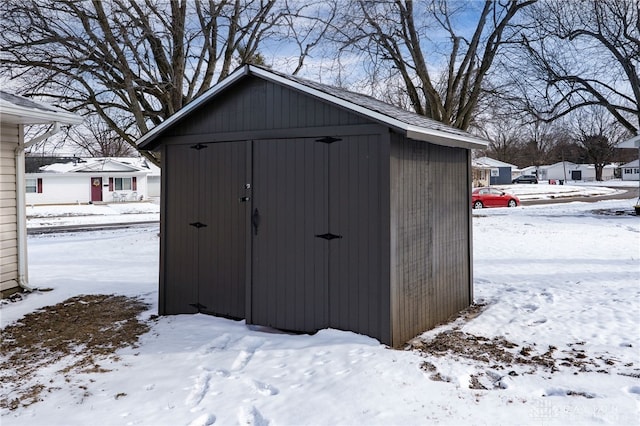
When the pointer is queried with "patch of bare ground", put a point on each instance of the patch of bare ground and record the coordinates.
(497, 357)
(74, 336)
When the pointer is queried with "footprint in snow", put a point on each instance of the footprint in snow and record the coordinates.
(199, 389)
(222, 373)
(248, 346)
(263, 388)
(204, 420)
(219, 343)
(633, 389)
(251, 416)
(241, 360)
(539, 321)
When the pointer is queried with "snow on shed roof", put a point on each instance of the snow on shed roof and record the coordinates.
(413, 125)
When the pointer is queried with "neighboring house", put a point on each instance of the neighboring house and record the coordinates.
(569, 171)
(88, 180)
(630, 170)
(302, 206)
(487, 170)
(16, 112)
(529, 170)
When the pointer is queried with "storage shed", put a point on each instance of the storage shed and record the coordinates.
(302, 206)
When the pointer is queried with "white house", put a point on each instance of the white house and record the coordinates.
(487, 170)
(16, 112)
(89, 180)
(566, 170)
(630, 171)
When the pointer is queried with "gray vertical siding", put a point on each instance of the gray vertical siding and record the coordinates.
(221, 247)
(403, 263)
(289, 273)
(304, 188)
(260, 105)
(204, 266)
(180, 195)
(430, 256)
(357, 282)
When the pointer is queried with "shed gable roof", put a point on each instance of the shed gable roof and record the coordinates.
(414, 126)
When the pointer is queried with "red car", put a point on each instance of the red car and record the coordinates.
(491, 197)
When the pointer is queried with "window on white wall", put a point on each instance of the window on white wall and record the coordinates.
(122, 184)
(33, 185)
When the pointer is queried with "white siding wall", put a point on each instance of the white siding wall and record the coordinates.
(74, 188)
(634, 175)
(9, 138)
(588, 172)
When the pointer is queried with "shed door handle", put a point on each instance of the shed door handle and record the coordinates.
(255, 220)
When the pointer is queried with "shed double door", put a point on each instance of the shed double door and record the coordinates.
(205, 229)
(316, 234)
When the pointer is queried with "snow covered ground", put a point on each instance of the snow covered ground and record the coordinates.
(545, 191)
(89, 214)
(561, 276)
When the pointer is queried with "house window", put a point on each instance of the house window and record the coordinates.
(33, 185)
(122, 184)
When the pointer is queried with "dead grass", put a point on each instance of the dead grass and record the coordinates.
(76, 334)
(497, 355)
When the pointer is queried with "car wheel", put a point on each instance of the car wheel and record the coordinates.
(477, 205)
(512, 203)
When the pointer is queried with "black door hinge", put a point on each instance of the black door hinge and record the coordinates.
(198, 225)
(198, 146)
(328, 140)
(328, 236)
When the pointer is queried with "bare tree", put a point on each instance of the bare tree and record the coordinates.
(505, 139)
(441, 51)
(133, 63)
(597, 135)
(96, 139)
(305, 27)
(540, 140)
(582, 53)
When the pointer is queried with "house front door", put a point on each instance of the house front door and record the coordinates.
(96, 189)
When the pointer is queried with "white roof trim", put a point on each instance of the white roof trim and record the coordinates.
(413, 132)
(13, 113)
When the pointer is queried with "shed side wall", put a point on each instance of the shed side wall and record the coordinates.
(430, 264)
